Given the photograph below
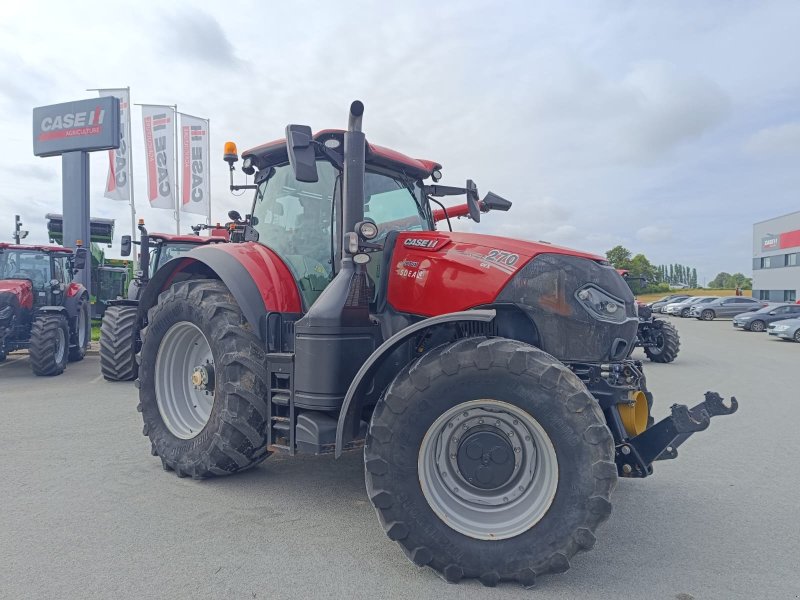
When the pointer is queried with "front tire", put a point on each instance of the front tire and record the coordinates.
(82, 334)
(49, 344)
(758, 326)
(512, 523)
(669, 345)
(202, 382)
(707, 315)
(118, 343)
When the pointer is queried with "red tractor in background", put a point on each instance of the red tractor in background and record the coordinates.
(488, 380)
(41, 307)
(119, 336)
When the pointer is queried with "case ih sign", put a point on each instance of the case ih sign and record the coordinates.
(85, 125)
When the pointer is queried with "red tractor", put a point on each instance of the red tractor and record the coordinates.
(41, 308)
(119, 339)
(488, 380)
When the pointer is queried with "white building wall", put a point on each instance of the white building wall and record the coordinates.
(781, 278)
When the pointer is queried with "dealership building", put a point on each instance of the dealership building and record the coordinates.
(776, 259)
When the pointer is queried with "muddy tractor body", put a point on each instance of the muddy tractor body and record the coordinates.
(119, 336)
(488, 380)
(41, 308)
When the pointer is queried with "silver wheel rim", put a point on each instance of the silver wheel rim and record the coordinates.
(757, 326)
(81, 327)
(184, 380)
(61, 342)
(492, 513)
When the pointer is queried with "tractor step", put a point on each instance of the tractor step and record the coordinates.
(280, 401)
(660, 442)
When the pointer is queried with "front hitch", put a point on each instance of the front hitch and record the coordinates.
(661, 441)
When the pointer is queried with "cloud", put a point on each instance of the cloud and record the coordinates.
(197, 36)
(654, 234)
(779, 141)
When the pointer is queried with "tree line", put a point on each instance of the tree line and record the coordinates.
(645, 277)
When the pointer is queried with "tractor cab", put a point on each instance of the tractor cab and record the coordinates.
(48, 269)
(301, 219)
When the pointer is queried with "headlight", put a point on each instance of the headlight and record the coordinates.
(776, 327)
(601, 305)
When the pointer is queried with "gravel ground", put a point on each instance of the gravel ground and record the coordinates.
(88, 513)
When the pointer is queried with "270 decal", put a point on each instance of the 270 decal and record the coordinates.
(502, 257)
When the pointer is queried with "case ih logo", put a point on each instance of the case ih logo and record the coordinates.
(424, 244)
(770, 242)
(72, 125)
(193, 141)
(157, 129)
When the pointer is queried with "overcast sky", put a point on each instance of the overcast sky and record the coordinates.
(666, 127)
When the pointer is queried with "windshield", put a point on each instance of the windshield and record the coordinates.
(166, 251)
(25, 264)
(298, 220)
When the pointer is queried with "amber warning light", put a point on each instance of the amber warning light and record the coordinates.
(230, 155)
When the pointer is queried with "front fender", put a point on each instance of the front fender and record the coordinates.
(351, 405)
(256, 276)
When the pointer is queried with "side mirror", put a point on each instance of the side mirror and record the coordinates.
(772, 312)
(472, 201)
(55, 285)
(301, 153)
(125, 245)
(234, 215)
(494, 202)
(79, 261)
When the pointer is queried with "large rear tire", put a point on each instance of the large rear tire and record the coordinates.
(49, 344)
(118, 344)
(203, 382)
(669, 344)
(82, 334)
(509, 403)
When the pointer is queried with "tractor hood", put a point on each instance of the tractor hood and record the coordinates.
(436, 272)
(18, 292)
(582, 307)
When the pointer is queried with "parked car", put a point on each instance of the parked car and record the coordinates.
(658, 305)
(681, 308)
(758, 320)
(727, 306)
(787, 330)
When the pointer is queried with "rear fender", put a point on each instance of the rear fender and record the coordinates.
(349, 417)
(258, 279)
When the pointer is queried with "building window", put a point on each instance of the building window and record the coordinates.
(789, 295)
(765, 262)
(791, 260)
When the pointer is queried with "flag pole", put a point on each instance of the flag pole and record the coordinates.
(177, 177)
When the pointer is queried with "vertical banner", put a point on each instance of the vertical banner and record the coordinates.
(118, 185)
(195, 180)
(159, 144)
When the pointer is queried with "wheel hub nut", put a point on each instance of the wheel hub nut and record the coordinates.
(203, 377)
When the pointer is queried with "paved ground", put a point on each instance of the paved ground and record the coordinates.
(86, 512)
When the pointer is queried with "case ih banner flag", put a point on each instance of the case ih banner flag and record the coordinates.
(118, 185)
(159, 144)
(195, 184)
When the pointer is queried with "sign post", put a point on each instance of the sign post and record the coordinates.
(72, 130)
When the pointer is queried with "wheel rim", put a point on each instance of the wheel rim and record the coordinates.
(61, 342)
(757, 326)
(184, 380)
(707, 315)
(797, 336)
(509, 458)
(81, 327)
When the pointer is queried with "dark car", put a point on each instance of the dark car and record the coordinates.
(787, 330)
(728, 306)
(659, 304)
(758, 320)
